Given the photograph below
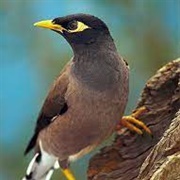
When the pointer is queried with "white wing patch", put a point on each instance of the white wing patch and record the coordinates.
(41, 166)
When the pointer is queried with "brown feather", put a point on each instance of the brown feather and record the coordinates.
(55, 104)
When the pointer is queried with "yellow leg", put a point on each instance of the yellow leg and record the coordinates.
(131, 122)
(68, 174)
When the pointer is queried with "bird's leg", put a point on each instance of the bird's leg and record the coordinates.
(68, 174)
(131, 122)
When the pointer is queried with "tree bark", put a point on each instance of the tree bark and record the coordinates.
(132, 156)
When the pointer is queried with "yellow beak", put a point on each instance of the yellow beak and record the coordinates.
(49, 25)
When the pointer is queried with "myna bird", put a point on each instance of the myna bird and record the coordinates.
(85, 103)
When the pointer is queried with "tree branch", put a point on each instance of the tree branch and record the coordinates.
(124, 158)
(164, 160)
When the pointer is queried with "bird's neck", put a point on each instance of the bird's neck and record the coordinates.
(103, 43)
(97, 66)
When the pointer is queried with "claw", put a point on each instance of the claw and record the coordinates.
(131, 122)
(139, 111)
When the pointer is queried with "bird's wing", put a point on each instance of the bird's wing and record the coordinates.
(54, 105)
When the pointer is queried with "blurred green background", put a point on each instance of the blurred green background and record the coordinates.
(147, 34)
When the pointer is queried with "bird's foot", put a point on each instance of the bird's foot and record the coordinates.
(68, 174)
(133, 123)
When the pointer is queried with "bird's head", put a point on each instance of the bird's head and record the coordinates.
(79, 29)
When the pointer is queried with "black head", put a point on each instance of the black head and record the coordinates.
(78, 28)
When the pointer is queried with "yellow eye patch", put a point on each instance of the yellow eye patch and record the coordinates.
(80, 27)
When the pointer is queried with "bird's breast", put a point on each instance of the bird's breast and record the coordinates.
(97, 110)
(96, 76)
(97, 98)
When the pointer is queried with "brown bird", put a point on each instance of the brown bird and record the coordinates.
(86, 101)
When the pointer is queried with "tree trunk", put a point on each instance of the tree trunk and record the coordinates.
(132, 156)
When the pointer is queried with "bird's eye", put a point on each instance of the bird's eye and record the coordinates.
(72, 25)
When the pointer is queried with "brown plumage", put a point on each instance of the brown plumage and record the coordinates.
(89, 97)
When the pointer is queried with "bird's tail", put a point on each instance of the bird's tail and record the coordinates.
(41, 167)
